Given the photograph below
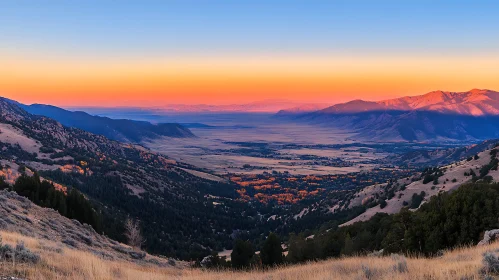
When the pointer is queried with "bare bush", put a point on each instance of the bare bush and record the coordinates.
(133, 234)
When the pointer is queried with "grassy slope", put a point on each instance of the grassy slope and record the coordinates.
(74, 264)
(452, 171)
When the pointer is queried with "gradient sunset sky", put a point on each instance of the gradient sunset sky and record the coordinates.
(150, 53)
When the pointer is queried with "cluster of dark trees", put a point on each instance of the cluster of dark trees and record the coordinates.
(243, 255)
(447, 220)
(492, 165)
(175, 225)
(484, 170)
(416, 200)
(3, 185)
(72, 205)
(431, 174)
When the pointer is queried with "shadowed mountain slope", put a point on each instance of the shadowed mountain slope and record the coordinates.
(116, 129)
(476, 102)
(436, 116)
(178, 209)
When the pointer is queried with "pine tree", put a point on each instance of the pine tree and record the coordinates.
(241, 254)
(348, 247)
(271, 253)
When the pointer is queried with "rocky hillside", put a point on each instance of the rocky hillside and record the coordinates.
(57, 260)
(19, 215)
(175, 206)
(439, 157)
(414, 191)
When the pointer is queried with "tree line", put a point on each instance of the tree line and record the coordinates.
(243, 255)
(445, 221)
(72, 205)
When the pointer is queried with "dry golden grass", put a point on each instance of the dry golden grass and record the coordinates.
(74, 264)
(463, 263)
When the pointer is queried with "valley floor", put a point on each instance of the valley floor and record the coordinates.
(463, 263)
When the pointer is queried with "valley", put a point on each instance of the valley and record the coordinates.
(305, 182)
(253, 140)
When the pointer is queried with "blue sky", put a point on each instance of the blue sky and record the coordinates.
(218, 27)
(89, 52)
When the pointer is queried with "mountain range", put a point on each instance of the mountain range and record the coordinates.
(476, 102)
(187, 216)
(123, 130)
(435, 116)
(264, 106)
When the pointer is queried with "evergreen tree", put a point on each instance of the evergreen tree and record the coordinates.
(348, 247)
(271, 253)
(241, 254)
(296, 249)
(3, 184)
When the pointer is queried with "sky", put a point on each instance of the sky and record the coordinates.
(151, 53)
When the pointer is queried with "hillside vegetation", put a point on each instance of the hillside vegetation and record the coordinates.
(401, 193)
(69, 263)
(121, 180)
(63, 248)
(448, 220)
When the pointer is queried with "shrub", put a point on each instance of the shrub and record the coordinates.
(23, 254)
(368, 273)
(490, 263)
(18, 254)
(137, 255)
(417, 199)
(382, 203)
(488, 179)
(70, 242)
(401, 265)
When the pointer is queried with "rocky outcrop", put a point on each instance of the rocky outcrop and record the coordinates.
(489, 236)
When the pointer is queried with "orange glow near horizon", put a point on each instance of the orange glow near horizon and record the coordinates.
(227, 80)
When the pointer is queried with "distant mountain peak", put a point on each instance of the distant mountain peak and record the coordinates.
(476, 102)
(437, 115)
(306, 108)
(480, 91)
